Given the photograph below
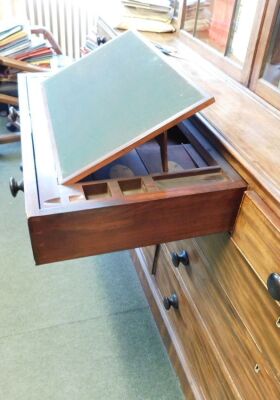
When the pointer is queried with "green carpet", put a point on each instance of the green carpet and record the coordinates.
(76, 330)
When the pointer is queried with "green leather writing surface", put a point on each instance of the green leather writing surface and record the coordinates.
(111, 99)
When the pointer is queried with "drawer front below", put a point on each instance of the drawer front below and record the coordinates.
(219, 320)
(237, 280)
(257, 235)
(206, 371)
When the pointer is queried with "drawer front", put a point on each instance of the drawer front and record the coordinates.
(259, 313)
(206, 373)
(252, 374)
(257, 235)
(140, 220)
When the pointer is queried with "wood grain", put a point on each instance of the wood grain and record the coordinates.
(222, 322)
(6, 99)
(254, 42)
(257, 235)
(140, 220)
(256, 83)
(20, 65)
(170, 340)
(268, 92)
(205, 368)
(9, 138)
(246, 127)
(246, 292)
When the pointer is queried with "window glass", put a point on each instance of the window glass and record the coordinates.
(213, 22)
(190, 15)
(225, 25)
(175, 5)
(241, 29)
(210, 21)
(272, 62)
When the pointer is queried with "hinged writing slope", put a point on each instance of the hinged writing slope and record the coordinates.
(130, 202)
(104, 105)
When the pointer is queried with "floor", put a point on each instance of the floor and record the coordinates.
(78, 330)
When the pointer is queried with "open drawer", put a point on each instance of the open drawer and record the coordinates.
(172, 187)
(110, 159)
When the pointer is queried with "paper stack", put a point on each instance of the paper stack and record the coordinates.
(151, 16)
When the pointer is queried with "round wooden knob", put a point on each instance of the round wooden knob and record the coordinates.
(273, 285)
(178, 258)
(171, 301)
(15, 186)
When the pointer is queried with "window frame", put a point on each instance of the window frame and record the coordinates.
(257, 84)
(241, 73)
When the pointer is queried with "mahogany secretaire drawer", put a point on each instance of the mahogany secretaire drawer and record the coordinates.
(141, 199)
(257, 235)
(238, 281)
(205, 372)
(207, 323)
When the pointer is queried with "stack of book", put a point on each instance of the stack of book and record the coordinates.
(154, 15)
(151, 16)
(38, 53)
(13, 38)
(17, 42)
(153, 9)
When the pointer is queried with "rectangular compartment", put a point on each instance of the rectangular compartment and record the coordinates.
(132, 186)
(95, 191)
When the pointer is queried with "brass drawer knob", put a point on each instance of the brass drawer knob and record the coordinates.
(273, 285)
(181, 257)
(15, 186)
(171, 301)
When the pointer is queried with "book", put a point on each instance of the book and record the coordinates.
(12, 38)
(7, 30)
(157, 5)
(37, 54)
(150, 16)
(37, 46)
(14, 48)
